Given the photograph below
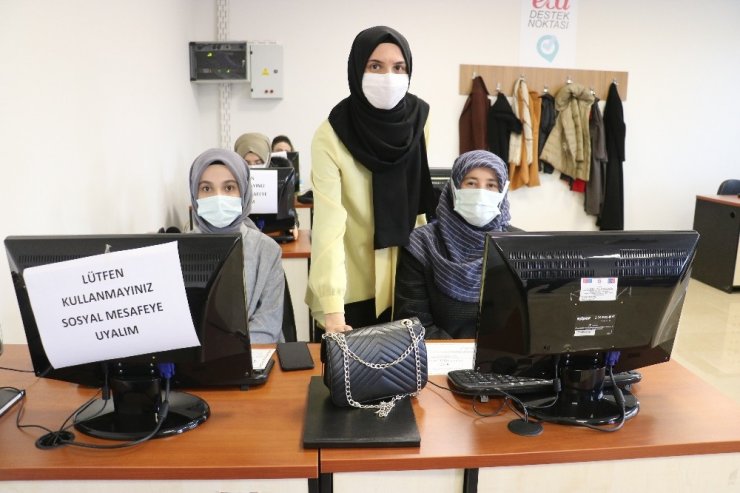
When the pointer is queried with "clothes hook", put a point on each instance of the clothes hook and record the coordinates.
(568, 80)
(546, 89)
(498, 87)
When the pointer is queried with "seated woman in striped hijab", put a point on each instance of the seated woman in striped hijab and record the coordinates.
(439, 272)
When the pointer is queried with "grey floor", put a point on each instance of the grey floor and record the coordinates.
(708, 341)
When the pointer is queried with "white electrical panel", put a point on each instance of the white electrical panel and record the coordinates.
(266, 70)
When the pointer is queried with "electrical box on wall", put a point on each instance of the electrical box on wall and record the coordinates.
(266, 70)
(218, 61)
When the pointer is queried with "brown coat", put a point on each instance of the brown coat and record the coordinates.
(474, 119)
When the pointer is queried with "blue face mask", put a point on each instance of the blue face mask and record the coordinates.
(220, 210)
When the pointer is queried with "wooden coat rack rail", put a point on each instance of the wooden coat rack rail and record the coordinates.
(539, 78)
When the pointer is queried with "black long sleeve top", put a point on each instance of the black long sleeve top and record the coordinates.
(418, 296)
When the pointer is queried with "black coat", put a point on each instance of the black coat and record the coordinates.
(501, 122)
(548, 116)
(612, 212)
(418, 296)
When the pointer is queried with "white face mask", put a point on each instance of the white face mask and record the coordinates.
(220, 210)
(385, 91)
(478, 206)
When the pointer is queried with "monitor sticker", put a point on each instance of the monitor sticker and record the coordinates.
(594, 325)
(598, 289)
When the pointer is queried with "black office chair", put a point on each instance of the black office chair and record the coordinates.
(729, 187)
(289, 330)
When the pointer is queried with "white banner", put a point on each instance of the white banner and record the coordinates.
(111, 306)
(548, 33)
(264, 191)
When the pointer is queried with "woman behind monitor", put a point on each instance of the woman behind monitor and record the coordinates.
(221, 197)
(281, 143)
(439, 272)
(255, 148)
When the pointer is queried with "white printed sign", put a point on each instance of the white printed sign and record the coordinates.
(548, 33)
(264, 191)
(111, 306)
(598, 289)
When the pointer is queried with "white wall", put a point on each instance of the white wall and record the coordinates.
(99, 122)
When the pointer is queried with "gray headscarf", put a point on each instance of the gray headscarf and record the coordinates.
(240, 170)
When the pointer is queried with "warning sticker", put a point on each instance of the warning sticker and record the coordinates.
(598, 289)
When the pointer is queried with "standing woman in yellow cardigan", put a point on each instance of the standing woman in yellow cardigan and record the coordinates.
(371, 184)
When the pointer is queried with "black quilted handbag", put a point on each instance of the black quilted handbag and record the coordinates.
(384, 362)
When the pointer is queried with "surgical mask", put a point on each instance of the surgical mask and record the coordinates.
(220, 210)
(385, 91)
(478, 206)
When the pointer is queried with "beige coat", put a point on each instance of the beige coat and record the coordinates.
(568, 148)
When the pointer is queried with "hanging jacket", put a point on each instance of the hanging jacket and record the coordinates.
(523, 112)
(612, 211)
(501, 123)
(474, 118)
(595, 187)
(547, 122)
(526, 171)
(568, 148)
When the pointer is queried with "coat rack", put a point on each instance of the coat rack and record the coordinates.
(540, 78)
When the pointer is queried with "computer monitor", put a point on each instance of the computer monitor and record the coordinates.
(439, 176)
(284, 159)
(285, 219)
(569, 305)
(213, 269)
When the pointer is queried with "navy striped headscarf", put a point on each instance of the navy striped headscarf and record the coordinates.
(452, 246)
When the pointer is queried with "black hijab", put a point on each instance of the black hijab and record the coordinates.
(390, 143)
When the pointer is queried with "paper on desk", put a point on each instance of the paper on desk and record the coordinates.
(443, 357)
(261, 357)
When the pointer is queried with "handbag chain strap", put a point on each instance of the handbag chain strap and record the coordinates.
(384, 407)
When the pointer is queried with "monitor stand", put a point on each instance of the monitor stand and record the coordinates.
(132, 412)
(583, 400)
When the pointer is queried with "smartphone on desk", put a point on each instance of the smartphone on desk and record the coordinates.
(8, 397)
(294, 356)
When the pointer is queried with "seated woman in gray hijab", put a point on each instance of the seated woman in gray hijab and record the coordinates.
(221, 196)
(439, 272)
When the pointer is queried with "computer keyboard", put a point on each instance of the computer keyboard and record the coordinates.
(496, 384)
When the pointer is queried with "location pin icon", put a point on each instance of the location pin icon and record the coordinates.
(547, 47)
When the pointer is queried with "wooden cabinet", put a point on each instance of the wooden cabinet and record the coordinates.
(717, 220)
